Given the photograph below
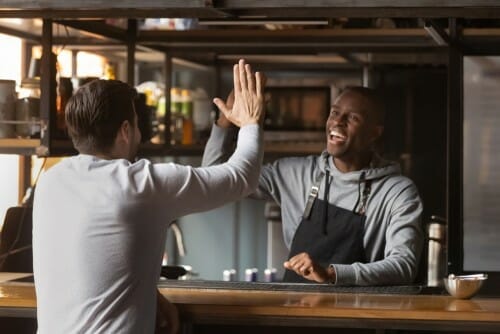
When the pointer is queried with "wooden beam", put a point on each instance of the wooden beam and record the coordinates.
(98, 27)
(19, 33)
(250, 8)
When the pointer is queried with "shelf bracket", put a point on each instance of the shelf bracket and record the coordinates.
(437, 33)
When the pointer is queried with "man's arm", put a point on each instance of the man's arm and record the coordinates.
(200, 189)
(403, 246)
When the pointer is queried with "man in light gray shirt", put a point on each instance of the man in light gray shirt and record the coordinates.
(100, 218)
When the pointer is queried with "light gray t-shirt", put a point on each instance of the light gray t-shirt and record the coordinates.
(99, 229)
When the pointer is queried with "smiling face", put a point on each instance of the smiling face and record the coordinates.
(351, 129)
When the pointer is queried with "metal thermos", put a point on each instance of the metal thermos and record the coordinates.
(436, 262)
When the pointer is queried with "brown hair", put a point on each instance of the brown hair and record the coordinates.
(95, 113)
(377, 104)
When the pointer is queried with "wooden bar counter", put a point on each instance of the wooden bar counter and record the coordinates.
(303, 309)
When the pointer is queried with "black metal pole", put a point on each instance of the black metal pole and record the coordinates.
(455, 151)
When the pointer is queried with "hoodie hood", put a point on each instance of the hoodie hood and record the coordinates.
(378, 168)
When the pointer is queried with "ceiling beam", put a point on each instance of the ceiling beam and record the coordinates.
(250, 8)
(21, 34)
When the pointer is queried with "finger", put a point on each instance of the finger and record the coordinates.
(222, 106)
(250, 78)
(236, 79)
(227, 112)
(259, 83)
(230, 99)
(305, 270)
(242, 75)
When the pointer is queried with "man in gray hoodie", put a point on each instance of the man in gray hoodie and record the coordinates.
(349, 217)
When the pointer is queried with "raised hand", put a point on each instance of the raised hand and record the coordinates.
(248, 107)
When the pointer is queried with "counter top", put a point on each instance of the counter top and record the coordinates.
(219, 306)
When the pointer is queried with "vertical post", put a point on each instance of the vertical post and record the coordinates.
(74, 63)
(167, 69)
(131, 40)
(48, 89)
(24, 176)
(455, 151)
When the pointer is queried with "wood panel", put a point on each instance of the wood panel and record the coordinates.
(305, 309)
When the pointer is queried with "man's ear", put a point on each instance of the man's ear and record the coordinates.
(124, 131)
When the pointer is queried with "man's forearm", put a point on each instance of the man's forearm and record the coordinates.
(219, 146)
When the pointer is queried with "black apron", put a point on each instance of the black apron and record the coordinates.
(328, 233)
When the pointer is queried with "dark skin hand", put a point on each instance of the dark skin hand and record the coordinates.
(305, 266)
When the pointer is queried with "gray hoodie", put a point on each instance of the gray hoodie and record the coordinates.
(393, 235)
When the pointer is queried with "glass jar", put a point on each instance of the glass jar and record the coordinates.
(28, 109)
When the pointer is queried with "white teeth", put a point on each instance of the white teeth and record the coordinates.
(337, 134)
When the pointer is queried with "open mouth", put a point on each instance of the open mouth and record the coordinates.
(337, 136)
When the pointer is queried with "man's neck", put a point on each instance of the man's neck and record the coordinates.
(352, 165)
(103, 155)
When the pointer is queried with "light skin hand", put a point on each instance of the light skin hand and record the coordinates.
(305, 266)
(248, 107)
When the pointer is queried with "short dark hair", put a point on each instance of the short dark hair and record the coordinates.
(95, 113)
(377, 104)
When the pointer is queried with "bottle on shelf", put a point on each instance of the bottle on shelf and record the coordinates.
(176, 119)
(109, 71)
(202, 115)
(64, 92)
(187, 117)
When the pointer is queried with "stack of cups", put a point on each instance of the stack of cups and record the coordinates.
(251, 274)
(270, 275)
(229, 275)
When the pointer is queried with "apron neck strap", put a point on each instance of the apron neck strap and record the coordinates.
(366, 193)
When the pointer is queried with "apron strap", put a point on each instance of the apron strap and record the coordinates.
(326, 196)
(313, 194)
(366, 193)
(310, 201)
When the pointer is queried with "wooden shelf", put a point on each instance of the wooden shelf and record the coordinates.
(20, 146)
(246, 8)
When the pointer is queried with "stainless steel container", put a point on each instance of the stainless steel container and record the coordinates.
(436, 262)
